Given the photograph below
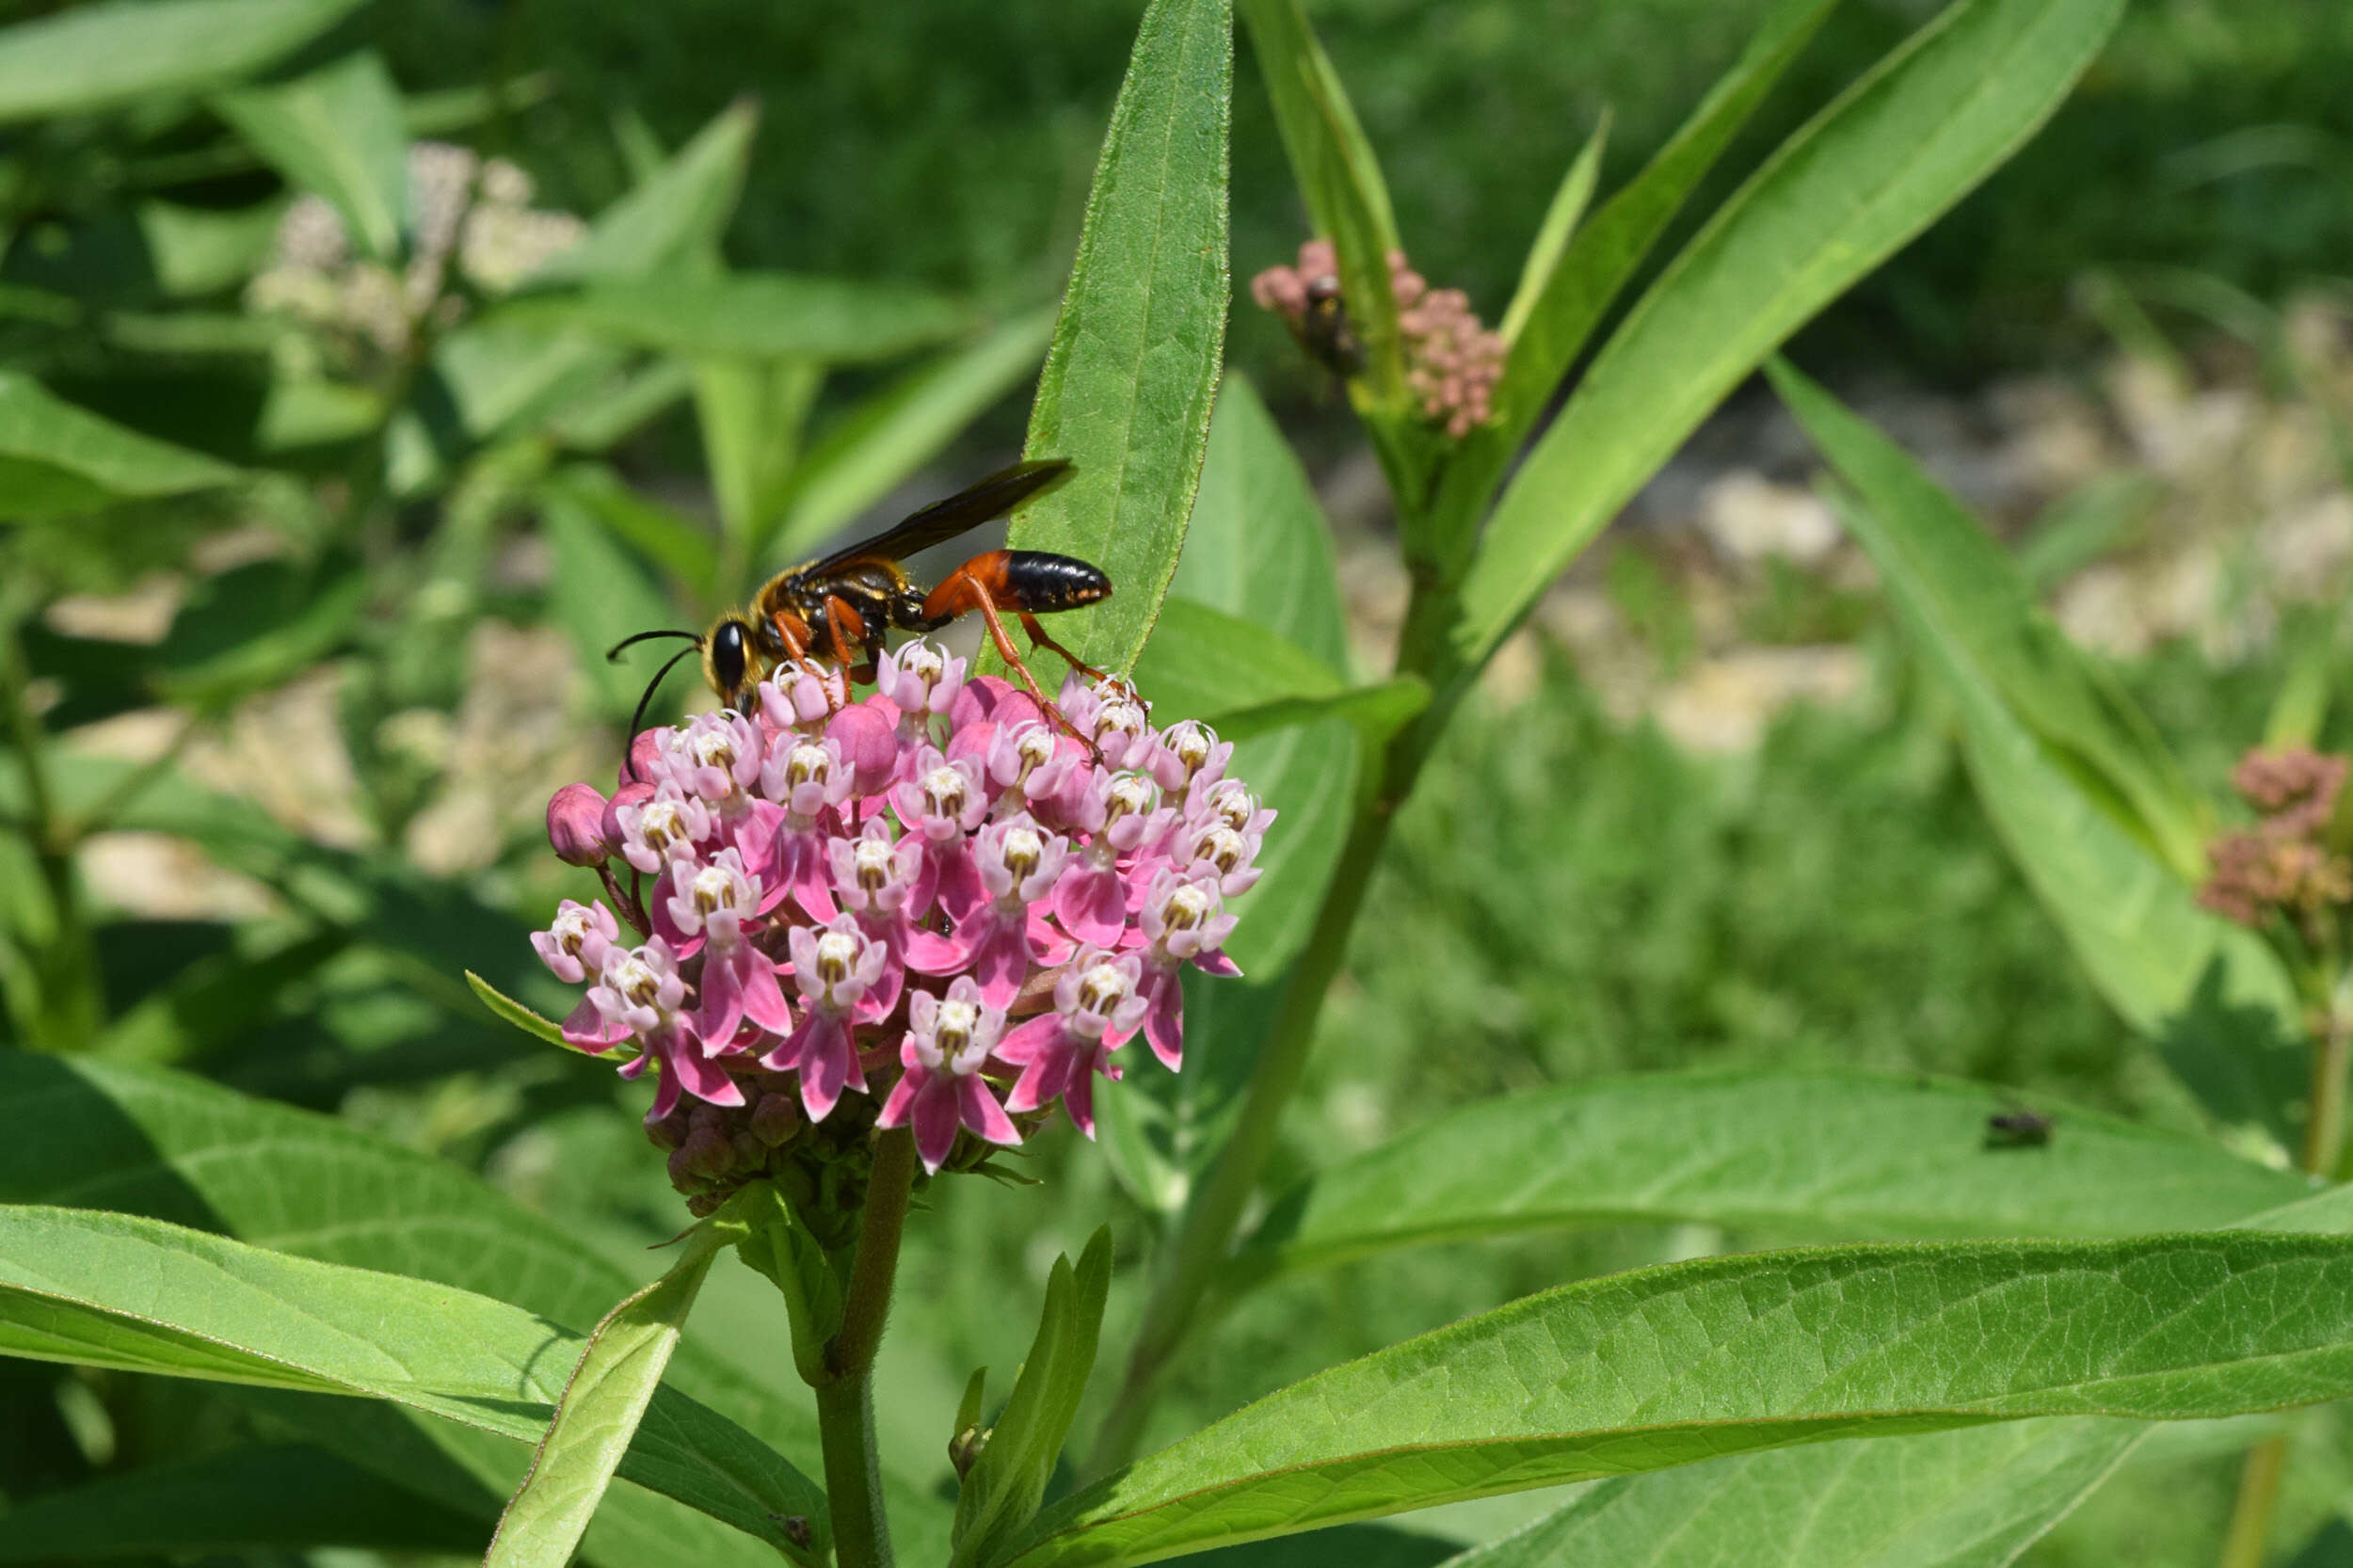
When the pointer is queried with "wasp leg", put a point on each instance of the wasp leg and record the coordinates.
(986, 605)
(800, 657)
(1039, 639)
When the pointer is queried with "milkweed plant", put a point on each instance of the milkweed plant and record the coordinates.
(852, 938)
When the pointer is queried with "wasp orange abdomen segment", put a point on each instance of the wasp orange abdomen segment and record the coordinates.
(1032, 580)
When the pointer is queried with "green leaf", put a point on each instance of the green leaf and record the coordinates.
(1130, 380)
(753, 316)
(751, 413)
(137, 1295)
(597, 1415)
(1201, 662)
(1162, 1130)
(513, 1012)
(1552, 236)
(103, 56)
(2085, 523)
(679, 545)
(215, 1000)
(1905, 142)
(1001, 1493)
(879, 445)
(1972, 1498)
(178, 1148)
(1835, 1153)
(1965, 589)
(288, 1494)
(57, 460)
(285, 621)
(337, 132)
(603, 592)
(1339, 177)
(2160, 961)
(1664, 1365)
(672, 220)
(1258, 547)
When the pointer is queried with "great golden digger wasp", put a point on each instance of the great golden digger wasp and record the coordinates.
(842, 606)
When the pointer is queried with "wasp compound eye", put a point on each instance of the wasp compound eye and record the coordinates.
(727, 658)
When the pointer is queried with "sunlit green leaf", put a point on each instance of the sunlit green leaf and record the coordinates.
(136, 1295)
(597, 1418)
(681, 546)
(1929, 121)
(1838, 1153)
(1690, 1361)
(603, 593)
(93, 58)
(754, 315)
(670, 219)
(1132, 373)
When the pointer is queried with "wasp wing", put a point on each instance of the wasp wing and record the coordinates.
(976, 503)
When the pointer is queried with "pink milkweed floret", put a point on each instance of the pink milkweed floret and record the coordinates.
(940, 906)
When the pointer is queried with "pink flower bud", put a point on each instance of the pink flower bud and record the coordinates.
(631, 796)
(869, 739)
(576, 815)
(645, 764)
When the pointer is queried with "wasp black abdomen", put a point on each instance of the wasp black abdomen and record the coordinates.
(1039, 580)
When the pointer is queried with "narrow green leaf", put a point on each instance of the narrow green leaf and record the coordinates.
(1969, 591)
(214, 1000)
(1664, 1365)
(1972, 1499)
(338, 133)
(1552, 235)
(1905, 142)
(103, 56)
(2300, 705)
(2165, 964)
(1337, 174)
(1001, 1493)
(273, 1496)
(178, 1148)
(672, 218)
(515, 1013)
(753, 316)
(57, 460)
(281, 633)
(1835, 1153)
(881, 443)
(1131, 374)
(136, 1295)
(680, 546)
(751, 413)
(1259, 547)
(597, 1415)
(2085, 523)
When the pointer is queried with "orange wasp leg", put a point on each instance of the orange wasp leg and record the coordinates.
(1039, 639)
(986, 605)
(848, 631)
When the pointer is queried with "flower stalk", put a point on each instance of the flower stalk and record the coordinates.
(845, 1399)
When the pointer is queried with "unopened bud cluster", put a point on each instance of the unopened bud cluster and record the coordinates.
(940, 906)
(464, 210)
(2286, 868)
(1453, 362)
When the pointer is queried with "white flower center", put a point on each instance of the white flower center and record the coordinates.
(1185, 908)
(1122, 718)
(1102, 988)
(943, 792)
(635, 979)
(1236, 806)
(1130, 795)
(836, 951)
(1023, 851)
(957, 1020)
(714, 748)
(571, 930)
(921, 662)
(807, 764)
(1222, 848)
(870, 864)
(1192, 745)
(714, 889)
(663, 825)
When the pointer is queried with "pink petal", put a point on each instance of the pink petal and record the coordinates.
(1091, 906)
(903, 1093)
(703, 1078)
(591, 1030)
(981, 1113)
(936, 1121)
(1078, 1097)
(1000, 963)
(763, 998)
(1164, 1023)
(723, 998)
(1029, 1040)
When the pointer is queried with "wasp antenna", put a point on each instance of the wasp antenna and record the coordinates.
(646, 701)
(613, 654)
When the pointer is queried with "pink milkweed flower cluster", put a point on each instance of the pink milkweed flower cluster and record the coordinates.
(940, 906)
(1453, 362)
(2286, 866)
